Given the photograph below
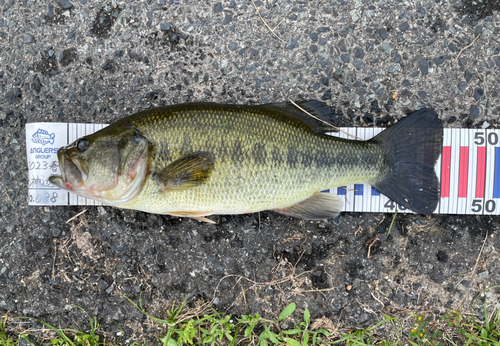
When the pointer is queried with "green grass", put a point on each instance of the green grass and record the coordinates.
(203, 325)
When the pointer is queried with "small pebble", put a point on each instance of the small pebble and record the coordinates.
(102, 284)
(485, 125)
(66, 4)
(441, 59)
(29, 38)
(359, 53)
(484, 275)
(10, 98)
(478, 93)
(394, 68)
(468, 76)
(451, 119)
(442, 256)
(473, 112)
(56, 232)
(164, 26)
(291, 44)
(386, 48)
(233, 46)
(110, 289)
(227, 19)
(424, 66)
(355, 15)
(383, 33)
(462, 86)
(218, 7)
(368, 118)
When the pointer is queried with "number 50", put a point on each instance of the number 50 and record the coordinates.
(477, 206)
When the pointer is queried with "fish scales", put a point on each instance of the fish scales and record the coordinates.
(262, 160)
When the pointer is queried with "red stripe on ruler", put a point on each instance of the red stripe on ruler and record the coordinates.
(481, 171)
(445, 172)
(463, 172)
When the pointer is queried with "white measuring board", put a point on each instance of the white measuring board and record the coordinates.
(468, 170)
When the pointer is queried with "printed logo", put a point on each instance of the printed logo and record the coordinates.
(43, 137)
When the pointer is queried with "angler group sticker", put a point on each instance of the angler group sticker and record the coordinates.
(43, 137)
(42, 142)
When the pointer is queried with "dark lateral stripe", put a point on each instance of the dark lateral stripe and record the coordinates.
(259, 154)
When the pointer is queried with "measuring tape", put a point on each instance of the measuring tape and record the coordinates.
(468, 170)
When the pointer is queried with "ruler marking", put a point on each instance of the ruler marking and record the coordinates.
(472, 184)
(445, 172)
(358, 188)
(496, 182)
(454, 166)
(463, 174)
(481, 171)
(367, 134)
(350, 189)
(490, 172)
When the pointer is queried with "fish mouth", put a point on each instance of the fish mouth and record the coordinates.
(73, 172)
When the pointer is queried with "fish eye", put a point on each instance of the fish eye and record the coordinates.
(82, 144)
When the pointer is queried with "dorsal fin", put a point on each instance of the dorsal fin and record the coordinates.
(318, 109)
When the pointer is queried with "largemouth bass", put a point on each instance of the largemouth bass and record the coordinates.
(199, 159)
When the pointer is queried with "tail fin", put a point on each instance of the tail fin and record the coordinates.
(413, 146)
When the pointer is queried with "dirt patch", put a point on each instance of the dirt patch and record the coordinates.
(104, 20)
(48, 63)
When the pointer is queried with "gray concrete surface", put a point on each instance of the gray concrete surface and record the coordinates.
(373, 61)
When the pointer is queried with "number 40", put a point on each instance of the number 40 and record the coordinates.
(477, 206)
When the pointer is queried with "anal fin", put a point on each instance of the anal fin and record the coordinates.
(317, 207)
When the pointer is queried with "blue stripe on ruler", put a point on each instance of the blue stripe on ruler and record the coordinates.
(358, 189)
(496, 182)
(325, 191)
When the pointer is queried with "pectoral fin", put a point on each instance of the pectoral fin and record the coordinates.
(187, 172)
(200, 216)
(317, 207)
